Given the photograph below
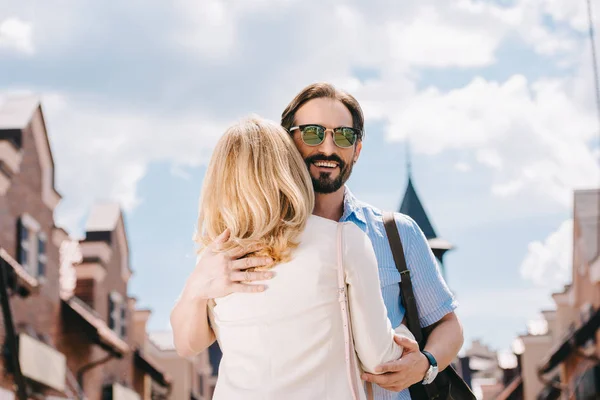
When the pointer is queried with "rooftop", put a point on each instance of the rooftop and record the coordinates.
(163, 340)
(103, 217)
(16, 111)
(587, 213)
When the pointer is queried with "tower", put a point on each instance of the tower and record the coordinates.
(412, 206)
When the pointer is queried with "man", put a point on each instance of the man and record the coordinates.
(313, 118)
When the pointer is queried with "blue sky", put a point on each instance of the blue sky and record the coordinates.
(495, 98)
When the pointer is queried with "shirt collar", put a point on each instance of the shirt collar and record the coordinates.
(351, 207)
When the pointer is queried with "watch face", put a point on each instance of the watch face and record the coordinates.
(428, 375)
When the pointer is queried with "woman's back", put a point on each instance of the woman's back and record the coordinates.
(288, 342)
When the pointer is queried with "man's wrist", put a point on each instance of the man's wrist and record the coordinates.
(432, 368)
(424, 366)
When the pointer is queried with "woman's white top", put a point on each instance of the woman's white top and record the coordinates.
(288, 341)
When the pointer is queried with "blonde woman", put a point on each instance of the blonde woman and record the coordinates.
(285, 342)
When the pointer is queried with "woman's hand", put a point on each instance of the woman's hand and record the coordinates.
(218, 274)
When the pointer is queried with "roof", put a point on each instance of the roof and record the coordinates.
(510, 388)
(587, 213)
(16, 111)
(101, 334)
(162, 340)
(572, 341)
(103, 217)
(146, 365)
(25, 280)
(411, 206)
(438, 243)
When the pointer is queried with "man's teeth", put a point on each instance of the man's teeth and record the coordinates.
(325, 164)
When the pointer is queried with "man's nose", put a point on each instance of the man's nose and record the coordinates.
(328, 146)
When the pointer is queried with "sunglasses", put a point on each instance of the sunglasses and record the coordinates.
(314, 135)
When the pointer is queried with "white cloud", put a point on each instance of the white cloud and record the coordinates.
(462, 167)
(430, 39)
(489, 157)
(573, 13)
(548, 263)
(104, 155)
(533, 135)
(16, 34)
(209, 27)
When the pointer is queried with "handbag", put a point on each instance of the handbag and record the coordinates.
(351, 366)
(448, 384)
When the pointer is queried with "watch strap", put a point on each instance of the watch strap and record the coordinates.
(430, 357)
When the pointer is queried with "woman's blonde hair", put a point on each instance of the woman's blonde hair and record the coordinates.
(258, 186)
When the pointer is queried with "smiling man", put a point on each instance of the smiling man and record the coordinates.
(327, 125)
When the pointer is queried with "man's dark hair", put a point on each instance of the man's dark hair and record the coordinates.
(327, 90)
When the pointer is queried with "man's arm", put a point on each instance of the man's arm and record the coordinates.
(444, 343)
(216, 275)
(435, 305)
(445, 340)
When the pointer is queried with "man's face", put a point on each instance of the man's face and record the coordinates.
(329, 166)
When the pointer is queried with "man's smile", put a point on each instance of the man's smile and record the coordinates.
(325, 165)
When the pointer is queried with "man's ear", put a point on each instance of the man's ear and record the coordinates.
(357, 151)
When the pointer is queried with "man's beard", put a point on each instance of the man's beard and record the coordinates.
(324, 184)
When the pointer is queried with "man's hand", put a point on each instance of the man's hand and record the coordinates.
(218, 274)
(404, 372)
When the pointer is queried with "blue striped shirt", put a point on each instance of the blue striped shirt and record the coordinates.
(434, 299)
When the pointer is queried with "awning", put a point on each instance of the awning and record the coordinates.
(510, 388)
(24, 279)
(100, 333)
(42, 363)
(550, 391)
(148, 367)
(572, 342)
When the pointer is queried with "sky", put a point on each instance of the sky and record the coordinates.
(495, 98)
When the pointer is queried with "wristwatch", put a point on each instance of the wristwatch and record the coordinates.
(433, 368)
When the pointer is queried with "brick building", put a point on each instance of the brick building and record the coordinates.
(194, 378)
(564, 361)
(68, 328)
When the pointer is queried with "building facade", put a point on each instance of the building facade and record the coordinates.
(68, 325)
(564, 361)
(193, 378)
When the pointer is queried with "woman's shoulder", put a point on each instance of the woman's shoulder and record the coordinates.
(349, 228)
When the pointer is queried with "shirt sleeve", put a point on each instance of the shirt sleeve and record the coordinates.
(433, 297)
(372, 330)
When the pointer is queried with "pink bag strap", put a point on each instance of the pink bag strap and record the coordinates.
(351, 368)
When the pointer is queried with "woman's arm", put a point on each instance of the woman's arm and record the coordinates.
(216, 275)
(373, 332)
(189, 321)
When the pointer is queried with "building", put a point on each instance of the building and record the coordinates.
(572, 365)
(564, 361)
(411, 205)
(193, 377)
(68, 328)
(29, 256)
(484, 370)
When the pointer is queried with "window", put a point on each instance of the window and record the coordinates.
(123, 321)
(24, 245)
(41, 255)
(201, 384)
(117, 314)
(31, 246)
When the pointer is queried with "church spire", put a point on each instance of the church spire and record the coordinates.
(411, 205)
